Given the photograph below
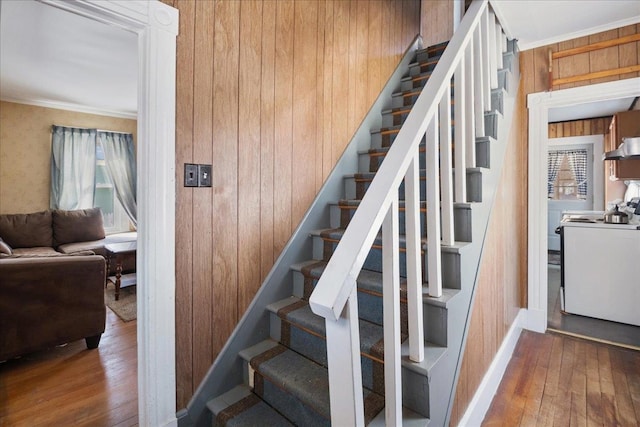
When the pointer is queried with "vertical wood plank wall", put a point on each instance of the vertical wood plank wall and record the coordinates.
(503, 269)
(597, 126)
(269, 93)
(502, 285)
(436, 21)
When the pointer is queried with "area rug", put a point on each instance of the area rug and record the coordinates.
(125, 307)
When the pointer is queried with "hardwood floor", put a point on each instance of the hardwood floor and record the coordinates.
(555, 380)
(73, 386)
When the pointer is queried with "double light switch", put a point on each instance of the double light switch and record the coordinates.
(197, 175)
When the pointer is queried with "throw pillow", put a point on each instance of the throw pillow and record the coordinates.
(27, 230)
(77, 226)
(4, 248)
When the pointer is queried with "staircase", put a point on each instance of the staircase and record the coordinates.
(276, 369)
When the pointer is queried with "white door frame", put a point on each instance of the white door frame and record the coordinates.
(539, 105)
(156, 25)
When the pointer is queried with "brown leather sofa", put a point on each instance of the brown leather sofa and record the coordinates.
(52, 279)
(47, 301)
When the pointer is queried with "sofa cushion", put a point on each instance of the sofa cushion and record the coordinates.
(97, 246)
(77, 226)
(4, 248)
(42, 253)
(27, 230)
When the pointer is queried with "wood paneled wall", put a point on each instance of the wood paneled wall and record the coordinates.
(436, 21)
(598, 60)
(269, 93)
(502, 285)
(503, 269)
(597, 126)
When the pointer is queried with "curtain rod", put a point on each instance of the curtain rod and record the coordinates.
(97, 130)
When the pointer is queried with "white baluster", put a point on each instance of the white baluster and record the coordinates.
(461, 119)
(391, 310)
(343, 357)
(414, 264)
(433, 209)
(470, 118)
(499, 45)
(478, 79)
(486, 61)
(493, 50)
(446, 169)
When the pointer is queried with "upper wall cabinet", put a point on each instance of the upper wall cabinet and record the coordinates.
(623, 124)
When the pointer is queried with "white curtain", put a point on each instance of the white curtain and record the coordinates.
(73, 168)
(119, 156)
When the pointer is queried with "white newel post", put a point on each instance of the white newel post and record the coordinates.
(343, 358)
(391, 310)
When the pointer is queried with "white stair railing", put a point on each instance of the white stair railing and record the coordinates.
(471, 59)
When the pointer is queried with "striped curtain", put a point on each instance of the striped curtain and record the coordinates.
(578, 164)
(553, 164)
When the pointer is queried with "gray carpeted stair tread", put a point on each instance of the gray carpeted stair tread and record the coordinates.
(371, 335)
(371, 281)
(336, 234)
(241, 407)
(422, 76)
(303, 380)
(354, 203)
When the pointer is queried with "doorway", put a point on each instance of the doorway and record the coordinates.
(539, 105)
(156, 26)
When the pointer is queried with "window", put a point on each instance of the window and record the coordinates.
(567, 176)
(114, 217)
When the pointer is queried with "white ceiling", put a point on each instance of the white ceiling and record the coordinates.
(55, 58)
(542, 22)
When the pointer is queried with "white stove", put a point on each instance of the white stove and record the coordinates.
(600, 267)
(594, 219)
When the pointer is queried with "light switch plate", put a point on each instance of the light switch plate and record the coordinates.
(190, 175)
(204, 175)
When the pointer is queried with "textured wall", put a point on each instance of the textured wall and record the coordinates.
(269, 92)
(25, 151)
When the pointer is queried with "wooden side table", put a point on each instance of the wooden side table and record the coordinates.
(118, 252)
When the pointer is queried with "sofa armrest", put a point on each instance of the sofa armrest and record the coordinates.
(47, 301)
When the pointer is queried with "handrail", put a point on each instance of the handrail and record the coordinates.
(330, 295)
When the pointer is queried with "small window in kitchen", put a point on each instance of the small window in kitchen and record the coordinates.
(567, 176)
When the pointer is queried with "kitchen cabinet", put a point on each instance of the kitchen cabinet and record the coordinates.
(623, 124)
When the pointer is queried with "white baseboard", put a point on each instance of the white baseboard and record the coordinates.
(536, 320)
(481, 401)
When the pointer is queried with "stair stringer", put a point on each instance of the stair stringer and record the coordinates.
(444, 376)
(253, 327)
